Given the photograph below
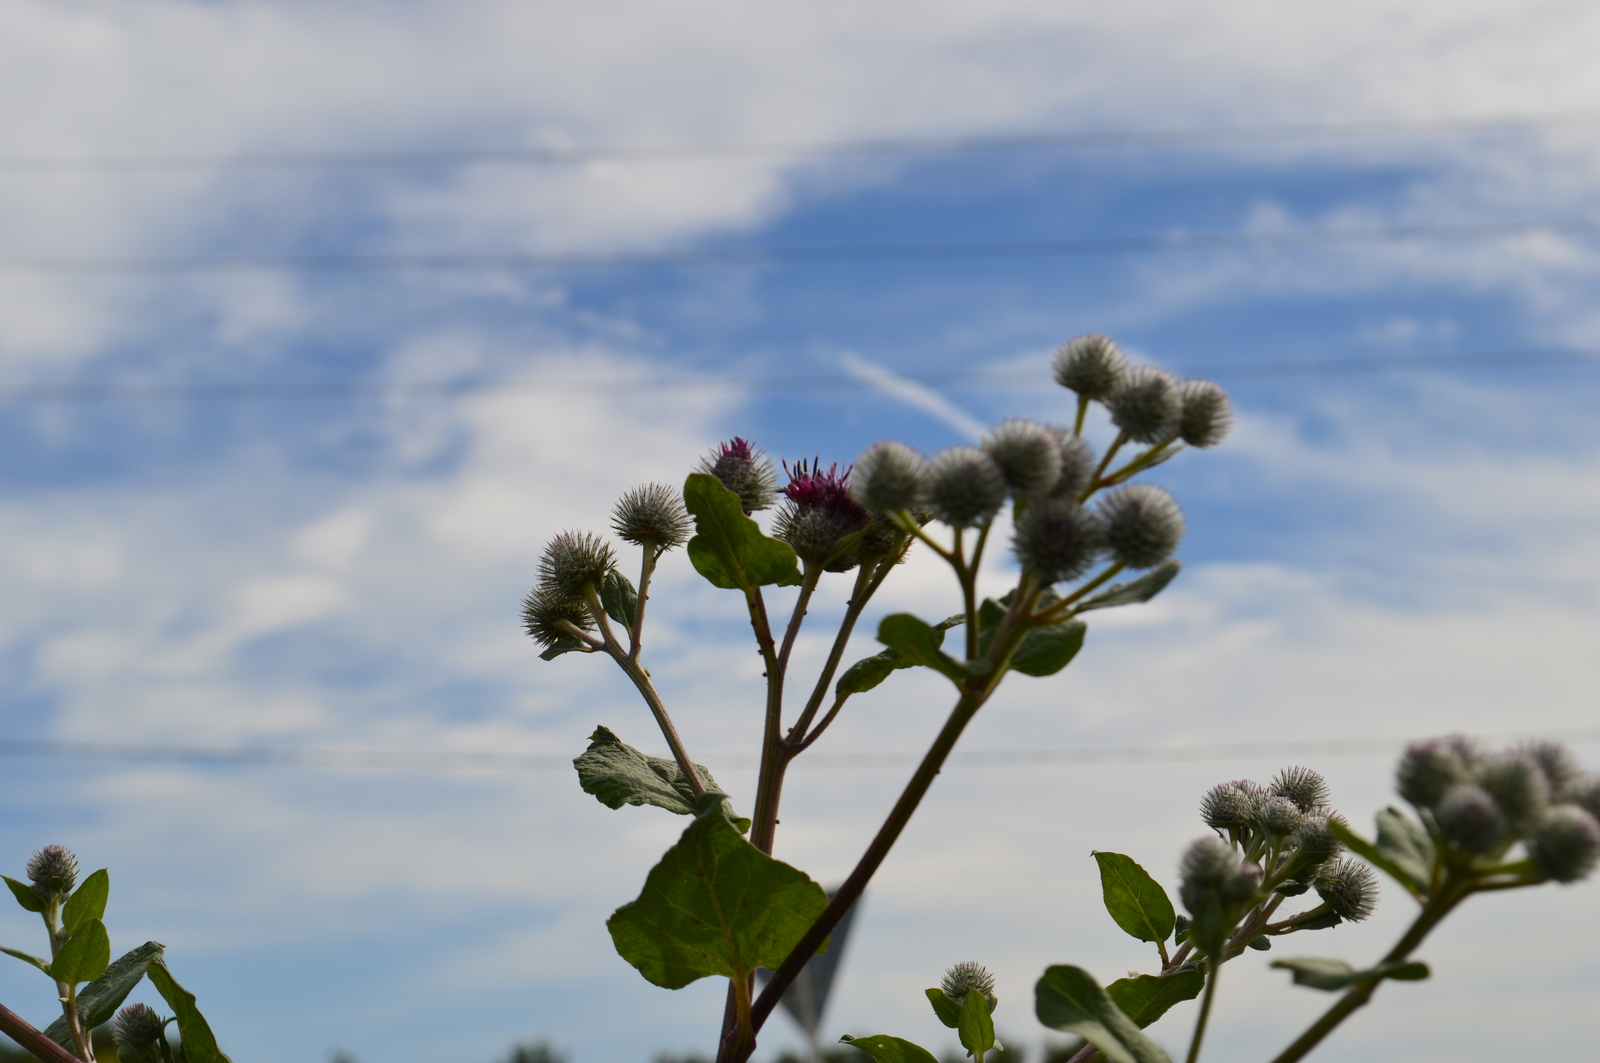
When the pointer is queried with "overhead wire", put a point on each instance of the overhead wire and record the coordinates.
(794, 255)
(568, 155)
(480, 760)
(357, 390)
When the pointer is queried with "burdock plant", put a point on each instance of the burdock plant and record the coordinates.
(88, 983)
(719, 904)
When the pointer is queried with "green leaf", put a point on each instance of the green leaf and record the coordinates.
(1336, 974)
(26, 895)
(199, 1044)
(88, 902)
(85, 956)
(1145, 998)
(870, 671)
(976, 1024)
(566, 644)
(620, 599)
(1378, 858)
(619, 774)
(949, 1011)
(919, 642)
(729, 549)
(715, 904)
(1142, 589)
(1046, 650)
(100, 999)
(1068, 998)
(887, 1049)
(43, 965)
(1404, 841)
(1136, 901)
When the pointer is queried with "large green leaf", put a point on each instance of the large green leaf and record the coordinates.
(729, 548)
(949, 1011)
(975, 1024)
(619, 774)
(715, 904)
(1142, 589)
(25, 894)
(1327, 974)
(1068, 998)
(919, 642)
(87, 902)
(100, 999)
(1404, 841)
(1046, 650)
(199, 1043)
(887, 1049)
(1135, 900)
(85, 956)
(1145, 998)
(1378, 858)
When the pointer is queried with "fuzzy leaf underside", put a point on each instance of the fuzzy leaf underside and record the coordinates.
(1069, 999)
(99, 1000)
(1330, 975)
(618, 774)
(729, 549)
(1135, 591)
(715, 904)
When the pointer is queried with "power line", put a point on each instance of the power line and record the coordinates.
(433, 760)
(1183, 136)
(794, 255)
(357, 390)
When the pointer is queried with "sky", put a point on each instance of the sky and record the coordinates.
(225, 526)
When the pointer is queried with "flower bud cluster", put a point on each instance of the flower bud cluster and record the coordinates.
(818, 514)
(53, 871)
(969, 977)
(1284, 826)
(1481, 803)
(652, 515)
(1148, 404)
(574, 565)
(746, 471)
(136, 1029)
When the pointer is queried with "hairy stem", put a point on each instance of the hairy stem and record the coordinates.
(975, 692)
(867, 583)
(1205, 1009)
(646, 570)
(1111, 452)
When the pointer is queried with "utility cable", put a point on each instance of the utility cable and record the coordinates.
(434, 760)
(357, 390)
(1181, 136)
(795, 255)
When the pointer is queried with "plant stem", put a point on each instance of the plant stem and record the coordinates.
(1111, 452)
(975, 692)
(867, 583)
(646, 570)
(808, 584)
(647, 690)
(19, 1030)
(1215, 963)
(1083, 408)
(1451, 894)
(769, 783)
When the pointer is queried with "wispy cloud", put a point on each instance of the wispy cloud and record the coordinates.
(918, 396)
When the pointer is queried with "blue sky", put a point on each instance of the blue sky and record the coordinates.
(1371, 555)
